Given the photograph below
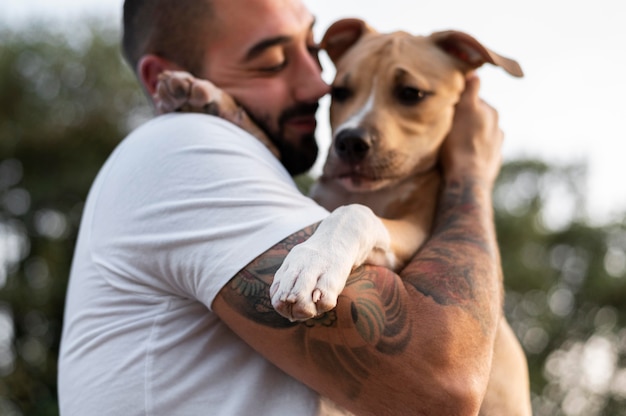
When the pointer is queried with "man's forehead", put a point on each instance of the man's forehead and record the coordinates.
(256, 10)
(271, 41)
(260, 16)
(243, 28)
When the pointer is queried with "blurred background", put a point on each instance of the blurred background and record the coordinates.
(67, 99)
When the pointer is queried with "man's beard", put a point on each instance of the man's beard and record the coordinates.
(296, 154)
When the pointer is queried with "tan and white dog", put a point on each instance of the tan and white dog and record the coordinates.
(393, 101)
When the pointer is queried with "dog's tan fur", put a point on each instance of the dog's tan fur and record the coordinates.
(395, 95)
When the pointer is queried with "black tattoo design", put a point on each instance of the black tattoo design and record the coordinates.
(459, 254)
(448, 269)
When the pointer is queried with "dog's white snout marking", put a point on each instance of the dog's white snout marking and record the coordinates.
(357, 118)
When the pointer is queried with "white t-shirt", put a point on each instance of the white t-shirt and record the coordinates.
(183, 204)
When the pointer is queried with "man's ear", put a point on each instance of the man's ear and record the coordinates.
(149, 68)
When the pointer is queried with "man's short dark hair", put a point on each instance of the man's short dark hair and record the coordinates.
(172, 29)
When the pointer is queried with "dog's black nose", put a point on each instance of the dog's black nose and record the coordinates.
(352, 145)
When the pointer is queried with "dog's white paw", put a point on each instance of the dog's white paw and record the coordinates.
(179, 90)
(309, 281)
(315, 272)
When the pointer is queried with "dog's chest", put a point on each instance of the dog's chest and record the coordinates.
(411, 197)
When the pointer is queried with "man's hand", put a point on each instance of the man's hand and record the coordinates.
(473, 146)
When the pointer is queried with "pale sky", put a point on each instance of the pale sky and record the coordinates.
(570, 106)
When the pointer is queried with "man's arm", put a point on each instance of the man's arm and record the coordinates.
(417, 344)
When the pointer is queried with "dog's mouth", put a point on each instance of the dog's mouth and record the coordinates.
(355, 181)
(371, 174)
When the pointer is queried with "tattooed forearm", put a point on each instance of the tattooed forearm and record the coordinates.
(376, 312)
(460, 264)
(374, 308)
(248, 291)
(372, 317)
(378, 309)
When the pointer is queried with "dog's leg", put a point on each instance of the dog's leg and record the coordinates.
(181, 91)
(315, 272)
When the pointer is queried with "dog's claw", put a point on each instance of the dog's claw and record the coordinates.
(317, 295)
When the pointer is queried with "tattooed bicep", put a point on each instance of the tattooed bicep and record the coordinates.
(249, 290)
(373, 300)
(370, 323)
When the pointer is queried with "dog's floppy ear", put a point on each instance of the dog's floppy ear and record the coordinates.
(473, 53)
(341, 35)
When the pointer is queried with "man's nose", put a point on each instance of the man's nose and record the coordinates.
(310, 86)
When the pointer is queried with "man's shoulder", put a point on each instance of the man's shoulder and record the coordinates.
(187, 123)
(177, 130)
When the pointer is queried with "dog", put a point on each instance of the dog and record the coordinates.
(392, 106)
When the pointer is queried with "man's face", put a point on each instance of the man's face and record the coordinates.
(265, 56)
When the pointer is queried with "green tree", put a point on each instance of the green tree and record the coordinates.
(565, 290)
(66, 99)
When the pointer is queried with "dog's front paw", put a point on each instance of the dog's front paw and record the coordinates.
(181, 91)
(309, 282)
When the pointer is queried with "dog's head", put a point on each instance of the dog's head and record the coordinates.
(393, 99)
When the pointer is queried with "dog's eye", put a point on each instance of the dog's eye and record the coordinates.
(340, 94)
(410, 95)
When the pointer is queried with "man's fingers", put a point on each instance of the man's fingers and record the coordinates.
(472, 88)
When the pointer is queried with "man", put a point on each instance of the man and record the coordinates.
(168, 307)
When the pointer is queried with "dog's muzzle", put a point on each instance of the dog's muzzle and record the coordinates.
(352, 145)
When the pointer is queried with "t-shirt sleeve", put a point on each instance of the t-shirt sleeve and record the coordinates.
(186, 202)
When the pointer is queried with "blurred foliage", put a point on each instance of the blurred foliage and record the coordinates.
(66, 99)
(565, 289)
